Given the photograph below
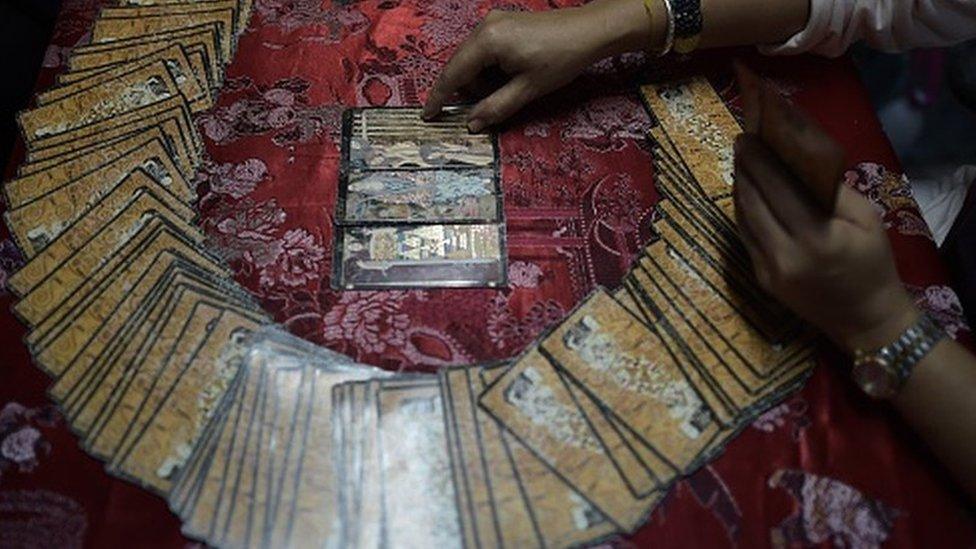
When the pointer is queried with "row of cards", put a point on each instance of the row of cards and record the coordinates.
(126, 309)
(577, 439)
(419, 203)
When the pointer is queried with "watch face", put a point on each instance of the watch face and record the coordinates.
(875, 379)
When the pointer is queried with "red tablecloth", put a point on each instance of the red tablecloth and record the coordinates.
(824, 467)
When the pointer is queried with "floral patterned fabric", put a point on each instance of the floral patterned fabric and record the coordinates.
(824, 467)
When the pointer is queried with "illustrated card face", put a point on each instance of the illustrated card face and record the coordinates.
(702, 128)
(419, 505)
(136, 192)
(108, 29)
(619, 361)
(41, 221)
(404, 256)
(173, 57)
(147, 151)
(399, 139)
(172, 115)
(534, 404)
(96, 57)
(420, 196)
(139, 88)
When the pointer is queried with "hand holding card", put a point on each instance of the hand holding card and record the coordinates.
(811, 155)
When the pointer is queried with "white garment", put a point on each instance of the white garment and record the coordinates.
(941, 200)
(888, 25)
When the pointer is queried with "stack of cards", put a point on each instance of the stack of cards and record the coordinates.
(309, 449)
(419, 203)
(127, 311)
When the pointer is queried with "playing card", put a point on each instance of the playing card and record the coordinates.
(429, 196)
(533, 403)
(384, 256)
(107, 29)
(175, 59)
(146, 150)
(138, 88)
(399, 139)
(40, 221)
(701, 127)
(137, 193)
(94, 58)
(172, 115)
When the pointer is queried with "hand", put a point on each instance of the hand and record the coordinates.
(833, 269)
(539, 52)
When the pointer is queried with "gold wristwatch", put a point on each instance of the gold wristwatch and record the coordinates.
(881, 373)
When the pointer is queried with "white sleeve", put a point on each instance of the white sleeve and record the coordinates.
(888, 25)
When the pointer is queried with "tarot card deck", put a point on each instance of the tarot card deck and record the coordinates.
(169, 372)
(127, 310)
(419, 203)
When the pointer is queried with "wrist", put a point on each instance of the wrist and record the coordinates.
(889, 322)
(623, 26)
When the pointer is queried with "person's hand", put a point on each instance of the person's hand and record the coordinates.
(832, 268)
(539, 52)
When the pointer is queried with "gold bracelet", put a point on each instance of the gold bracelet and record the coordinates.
(669, 25)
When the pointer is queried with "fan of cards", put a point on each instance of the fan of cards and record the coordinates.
(126, 309)
(170, 373)
(576, 440)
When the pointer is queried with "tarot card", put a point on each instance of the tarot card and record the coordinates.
(141, 87)
(41, 221)
(391, 139)
(617, 359)
(427, 255)
(428, 196)
(418, 499)
(515, 523)
(749, 367)
(141, 8)
(33, 239)
(739, 288)
(702, 128)
(72, 385)
(172, 115)
(532, 402)
(561, 516)
(76, 277)
(205, 513)
(107, 29)
(173, 57)
(191, 480)
(149, 153)
(138, 191)
(105, 395)
(476, 509)
(90, 327)
(94, 58)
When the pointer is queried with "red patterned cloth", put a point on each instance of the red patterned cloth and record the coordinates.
(824, 467)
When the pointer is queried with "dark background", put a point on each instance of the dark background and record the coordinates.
(25, 29)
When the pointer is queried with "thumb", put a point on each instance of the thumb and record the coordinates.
(502, 104)
(856, 208)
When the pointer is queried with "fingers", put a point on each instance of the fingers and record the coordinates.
(815, 158)
(500, 105)
(763, 231)
(854, 207)
(749, 85)
(462, 69)
(780, 191)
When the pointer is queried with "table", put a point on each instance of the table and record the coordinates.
(824, 466)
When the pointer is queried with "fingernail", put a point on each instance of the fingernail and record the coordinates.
(475, 125)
